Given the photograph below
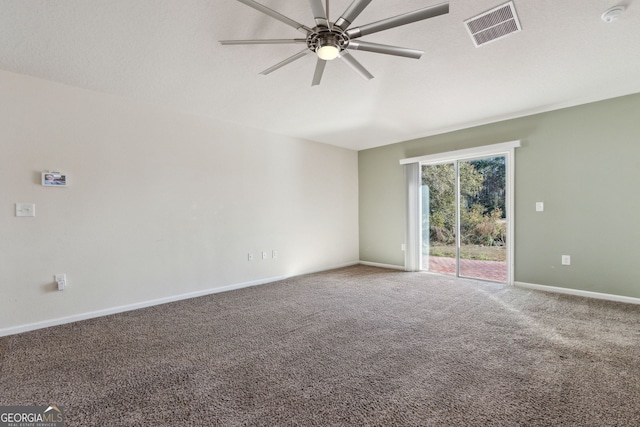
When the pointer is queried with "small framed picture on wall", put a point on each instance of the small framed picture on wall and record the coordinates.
(54, 179)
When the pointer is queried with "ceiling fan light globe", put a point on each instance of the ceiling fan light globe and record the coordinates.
(328, 53)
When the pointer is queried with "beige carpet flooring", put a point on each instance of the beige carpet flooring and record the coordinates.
(357, 346)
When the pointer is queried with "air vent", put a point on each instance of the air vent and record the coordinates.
(494, 24)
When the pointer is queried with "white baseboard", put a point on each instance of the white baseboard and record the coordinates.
(376, 264)
(143, 304)
(580, 293)
(129, 307)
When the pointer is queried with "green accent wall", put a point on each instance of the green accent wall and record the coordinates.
(583, 162)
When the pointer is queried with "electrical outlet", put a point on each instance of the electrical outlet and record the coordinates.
(566, 260)
(249, 256)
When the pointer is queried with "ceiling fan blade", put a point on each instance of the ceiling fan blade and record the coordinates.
(383, 48)
(276, 15)
(263, 41)
(355, 65)
(351, 13)
(286, 61)
(396, 21)
(319, 14)
(317, 76)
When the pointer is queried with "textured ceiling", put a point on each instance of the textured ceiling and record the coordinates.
(166, 52)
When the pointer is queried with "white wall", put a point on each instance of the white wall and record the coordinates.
(159, 205)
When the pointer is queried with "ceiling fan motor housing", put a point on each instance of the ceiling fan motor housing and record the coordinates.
(322, 36)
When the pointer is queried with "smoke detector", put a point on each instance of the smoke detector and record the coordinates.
(612, 14)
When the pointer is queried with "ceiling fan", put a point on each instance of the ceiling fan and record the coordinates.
(331, 40)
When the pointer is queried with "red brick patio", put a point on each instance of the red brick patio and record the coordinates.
(486, 270)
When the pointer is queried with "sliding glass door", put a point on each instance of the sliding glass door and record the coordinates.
(464, 218)
(483, 219)
(439, 226)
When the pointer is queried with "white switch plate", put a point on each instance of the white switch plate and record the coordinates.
(539, 206)
(566, 260)
(25, 209)
(274, 254)
(264, 255)
(61, 280)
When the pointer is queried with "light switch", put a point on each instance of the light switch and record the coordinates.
(25, 209)
(539, 206)
(61, 281)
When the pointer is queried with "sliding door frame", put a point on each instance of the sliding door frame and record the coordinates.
(507, 149)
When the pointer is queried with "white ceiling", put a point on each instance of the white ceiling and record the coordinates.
(166, 52)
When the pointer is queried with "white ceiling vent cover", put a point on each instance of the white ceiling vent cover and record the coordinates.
(494, 24)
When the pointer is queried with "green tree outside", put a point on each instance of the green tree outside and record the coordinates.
(482, 202)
